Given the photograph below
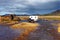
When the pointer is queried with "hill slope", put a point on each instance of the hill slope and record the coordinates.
(55, 13)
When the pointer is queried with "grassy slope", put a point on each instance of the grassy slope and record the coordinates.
(55, 13)
(50, 17)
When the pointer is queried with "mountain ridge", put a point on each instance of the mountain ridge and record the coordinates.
(55, 13)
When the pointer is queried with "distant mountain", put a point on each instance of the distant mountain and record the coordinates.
(36, 14)
(22, 15)
(55, 13)
(16, 14)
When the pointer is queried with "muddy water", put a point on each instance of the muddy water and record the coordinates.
(44, 32)
(6, 33)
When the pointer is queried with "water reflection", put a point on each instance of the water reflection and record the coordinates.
(6, 33)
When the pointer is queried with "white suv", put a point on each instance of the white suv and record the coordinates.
(33, 18)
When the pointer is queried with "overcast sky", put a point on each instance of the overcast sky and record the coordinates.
(28, 6)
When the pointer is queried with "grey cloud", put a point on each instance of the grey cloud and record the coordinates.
(26, 6)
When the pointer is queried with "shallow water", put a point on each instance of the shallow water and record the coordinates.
(44, 32)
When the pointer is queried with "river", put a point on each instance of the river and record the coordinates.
(44, 32)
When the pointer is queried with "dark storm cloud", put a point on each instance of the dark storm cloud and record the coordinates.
(28, 6)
